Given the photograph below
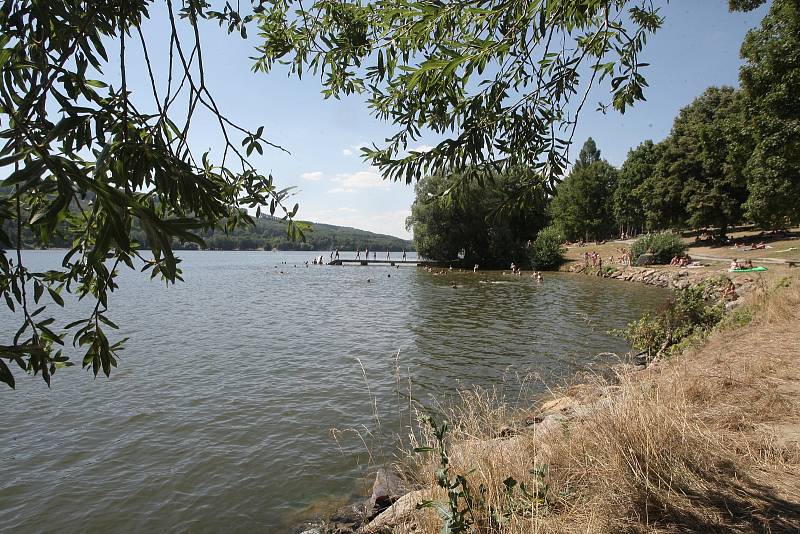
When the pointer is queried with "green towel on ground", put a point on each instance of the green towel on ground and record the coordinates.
(754, 269)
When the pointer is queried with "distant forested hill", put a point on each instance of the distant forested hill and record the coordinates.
(268, 233)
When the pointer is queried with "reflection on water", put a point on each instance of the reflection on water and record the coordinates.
(219, 417)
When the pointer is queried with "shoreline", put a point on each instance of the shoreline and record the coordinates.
(394, 504)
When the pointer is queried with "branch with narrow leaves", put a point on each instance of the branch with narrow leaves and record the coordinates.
(86, 169)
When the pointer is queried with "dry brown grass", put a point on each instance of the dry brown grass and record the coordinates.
(707, 442)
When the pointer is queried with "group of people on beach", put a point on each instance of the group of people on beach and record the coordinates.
(755, 246)
(737, 265)
(582, 243)
(681, 260)
(593, 258)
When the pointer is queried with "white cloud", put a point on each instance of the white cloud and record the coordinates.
(384, 222)
(312, 176)
(422, 148)
(353, 149)
(351, 182)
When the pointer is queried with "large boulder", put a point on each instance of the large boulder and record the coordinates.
(398, 513)
(345, 520)
(646, 259)
(386, 490)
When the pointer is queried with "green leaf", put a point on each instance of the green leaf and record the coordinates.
(6, 376)
(56, 297)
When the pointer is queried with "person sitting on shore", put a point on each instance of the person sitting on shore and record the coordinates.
(475, 269)
(749, 264)
(735, 265)
(729, 292)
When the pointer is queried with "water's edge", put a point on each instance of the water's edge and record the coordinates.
(390, 491)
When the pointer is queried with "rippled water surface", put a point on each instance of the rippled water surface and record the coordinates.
(219, 417)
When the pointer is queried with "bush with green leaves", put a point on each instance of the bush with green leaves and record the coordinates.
(686, 315)
(547, 251)
(663, 246)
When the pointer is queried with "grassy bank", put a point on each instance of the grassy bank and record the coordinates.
(704, 441)
(779, 249)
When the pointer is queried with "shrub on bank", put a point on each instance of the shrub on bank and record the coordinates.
(547, 251)
(687, 314)
(663, 246)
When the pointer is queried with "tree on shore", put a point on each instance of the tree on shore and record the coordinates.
(582, 207)
(468, 224)
(770, 80)
(706, 133)
(635, 172)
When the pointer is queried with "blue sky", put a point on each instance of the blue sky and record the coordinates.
(697, 47)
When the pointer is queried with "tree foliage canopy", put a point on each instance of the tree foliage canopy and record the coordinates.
(582, 207)
(637, 170)
(469, 224)
(80, 157)
(699, 179)
(503, 81)
(771, 82)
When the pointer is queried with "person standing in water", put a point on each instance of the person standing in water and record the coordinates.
(366, 253)
(358, 254)
(337, 254)
(387, 256)
(404, 254)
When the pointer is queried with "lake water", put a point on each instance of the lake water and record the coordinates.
(219, 417)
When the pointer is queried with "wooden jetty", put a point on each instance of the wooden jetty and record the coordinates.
(389, 262)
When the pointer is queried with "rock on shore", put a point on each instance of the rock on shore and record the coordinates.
(667, 277)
